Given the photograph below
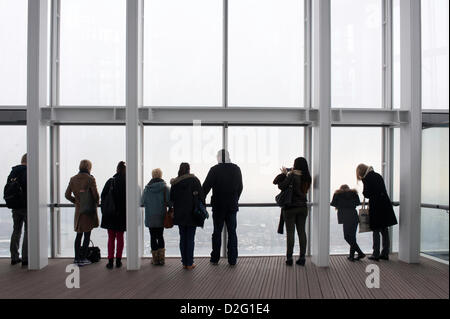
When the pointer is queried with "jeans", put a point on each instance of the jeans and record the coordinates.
(112, 235)
(156, 238)
(187, 243)
(81, 252)
(376, 242)
(230, 219)
(19, 219)
(295, 217)
(350, 236)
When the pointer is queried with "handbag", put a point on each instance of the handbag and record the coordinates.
(168, 216)
(88, 206)
(93, 253)
(364, 220)
(200, 212)
(284, 198)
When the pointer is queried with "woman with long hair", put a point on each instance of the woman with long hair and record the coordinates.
(296, 212)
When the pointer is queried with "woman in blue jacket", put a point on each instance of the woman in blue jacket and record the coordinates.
(156, 200)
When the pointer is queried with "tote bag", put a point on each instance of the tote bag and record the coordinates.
(364, 224)
(168, 215)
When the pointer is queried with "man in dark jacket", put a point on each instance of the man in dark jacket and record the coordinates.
(19, 215)
(225, 179)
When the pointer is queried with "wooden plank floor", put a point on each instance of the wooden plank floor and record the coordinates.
(253, 277)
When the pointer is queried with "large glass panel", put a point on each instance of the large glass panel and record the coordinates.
(396, 54)
(266, 55)
(165, 147)
(13, 54)
(435, 27)
(13, 148)
(104, 146)
(396, 188)
(260, 152)
(183, 53)
(356, 53)
(434, 233)
(92, 52)
(365, 147)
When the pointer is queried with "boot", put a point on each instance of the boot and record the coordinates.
(110, 263)
(155, 257)
(118, 262)
(161, 256)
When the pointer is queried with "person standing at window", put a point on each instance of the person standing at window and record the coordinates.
(115, 222)
(381, 212)
(225, 180)
(186, 190)
(295, 214)
(156, 200)
(345, 201)
(83, 223)
(16, 199)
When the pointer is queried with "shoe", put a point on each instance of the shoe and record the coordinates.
(384, 257)
(361, 256)
(15, 261)
(184, 267)
(110, 264)
(118, 262)
(215, 263)
(190, 267)
(351, 258)
(161, 256)
(232, 264)
(84, 262)
(301, 261)
(24, 263)
(155, 257)
(376, 258)
(289, 262)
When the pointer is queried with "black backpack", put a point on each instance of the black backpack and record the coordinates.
(108, 204)
(13, 193)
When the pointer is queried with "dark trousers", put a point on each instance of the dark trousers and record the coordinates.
(156, 238)
(81, 252)
(295, 217)
(19, 219)
(350, 228)
(230, 220)
(187, 244)
(376, 242)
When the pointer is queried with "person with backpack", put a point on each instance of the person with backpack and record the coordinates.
(298, 179)
(15, 195)
(345, 201)
(185, 194)
(114, 213)
(225, 180)
(156, 201)
(82, 191)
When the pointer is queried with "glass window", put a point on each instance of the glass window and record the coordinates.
(104, 146)
(13, 54)
(396, 54)
(92, 52)
(365, 147)
(356, 53)
(165, 147)
(435, 26)
(12, 148)
(266, 53)
(183, 53)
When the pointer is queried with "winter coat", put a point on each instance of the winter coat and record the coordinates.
(82, 181)
(225, 179)
(20, 172)
(381, 212)
(346, 203)
(299, 198)
(117, 221)
(153, 201)
(182, 197)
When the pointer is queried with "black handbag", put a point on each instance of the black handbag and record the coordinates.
(87, 202)
(93, 253)
(108, 205)
(284, 198)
